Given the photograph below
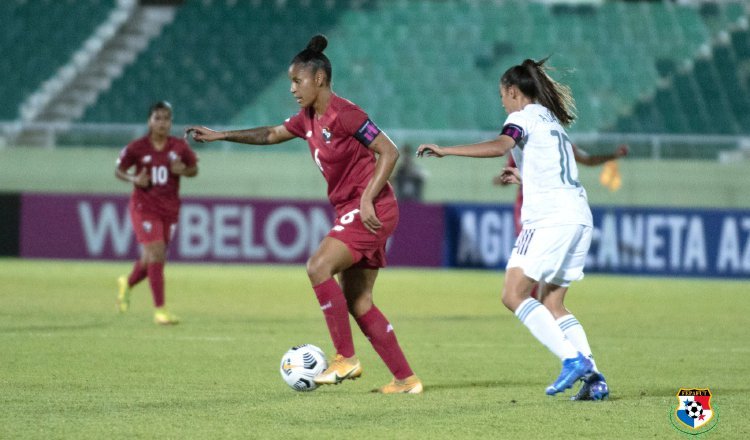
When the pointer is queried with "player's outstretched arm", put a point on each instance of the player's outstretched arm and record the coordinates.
(254, 136)
(584, 158)
(492, 148)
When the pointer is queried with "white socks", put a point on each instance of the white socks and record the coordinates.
(542, 325)
(573, 330)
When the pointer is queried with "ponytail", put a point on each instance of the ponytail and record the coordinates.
(532, 80)
(314, 57)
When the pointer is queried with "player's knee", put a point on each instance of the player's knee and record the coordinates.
(361, 305)
(155, 253)
(317, 271)
(509, 299)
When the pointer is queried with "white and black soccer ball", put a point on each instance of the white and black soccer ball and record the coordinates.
(694, 409)
(301, 364)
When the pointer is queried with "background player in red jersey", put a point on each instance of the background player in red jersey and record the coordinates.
(159, 161)
(356, 160)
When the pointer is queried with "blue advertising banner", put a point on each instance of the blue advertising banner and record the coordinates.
(632, 240)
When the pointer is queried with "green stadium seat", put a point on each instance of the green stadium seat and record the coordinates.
(38, 38)
(427, 64)
(670, 108)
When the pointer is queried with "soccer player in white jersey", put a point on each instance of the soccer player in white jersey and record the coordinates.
(556, 217)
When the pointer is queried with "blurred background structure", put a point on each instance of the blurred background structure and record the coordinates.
(670, 78)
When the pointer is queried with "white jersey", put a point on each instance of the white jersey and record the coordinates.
(552, 195)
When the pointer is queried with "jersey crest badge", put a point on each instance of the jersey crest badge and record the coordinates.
(326, 135)
(147, 227)
(146, 159)
(694, 410)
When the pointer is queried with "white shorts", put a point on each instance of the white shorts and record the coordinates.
(554, 255)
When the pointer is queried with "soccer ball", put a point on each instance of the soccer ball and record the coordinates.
(694, 409)
(301, 364)
(599, 390)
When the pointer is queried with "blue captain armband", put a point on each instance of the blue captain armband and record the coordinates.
(514, 132)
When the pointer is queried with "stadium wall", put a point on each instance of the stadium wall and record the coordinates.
(627, 240)
(10, 209)
(264, 172)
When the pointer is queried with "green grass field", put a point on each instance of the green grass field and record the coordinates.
(73, 368)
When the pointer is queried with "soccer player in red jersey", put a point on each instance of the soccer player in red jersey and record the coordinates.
(159, 161)
(511, 175)
(356, 158)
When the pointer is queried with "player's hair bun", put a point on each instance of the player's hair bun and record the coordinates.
(318, 43)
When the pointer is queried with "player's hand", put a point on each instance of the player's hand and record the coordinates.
(498, 180)
(622, 150)
(430, 150)
(203, 134)
(368, 217)
(142, 180)
(510, 175)
(177, 167)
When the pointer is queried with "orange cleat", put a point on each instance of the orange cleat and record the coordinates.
(410, 385)
(340, 369)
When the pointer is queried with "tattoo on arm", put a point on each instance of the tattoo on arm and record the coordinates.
(255, 136)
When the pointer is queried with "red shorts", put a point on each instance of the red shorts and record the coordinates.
(367, 249)
(150, 228)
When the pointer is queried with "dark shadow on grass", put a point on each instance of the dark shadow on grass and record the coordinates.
(505, 384)
(182, 404)
(456, 385)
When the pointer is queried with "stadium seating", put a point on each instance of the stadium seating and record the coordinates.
(409, 63)
(701, 92)
(213, 59)
(38, 38)
(609, 54)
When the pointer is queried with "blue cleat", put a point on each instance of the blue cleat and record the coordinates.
(594, 388)
(572, 370)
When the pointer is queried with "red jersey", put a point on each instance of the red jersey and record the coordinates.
(161, 197)
(338, 144)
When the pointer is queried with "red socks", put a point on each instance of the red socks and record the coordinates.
(156, 280)
(383, 339)
(373, 324)
(137, 274)
(333, 304)
(155, 274)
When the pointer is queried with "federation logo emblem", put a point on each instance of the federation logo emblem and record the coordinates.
(694, 410)
(326, 135)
